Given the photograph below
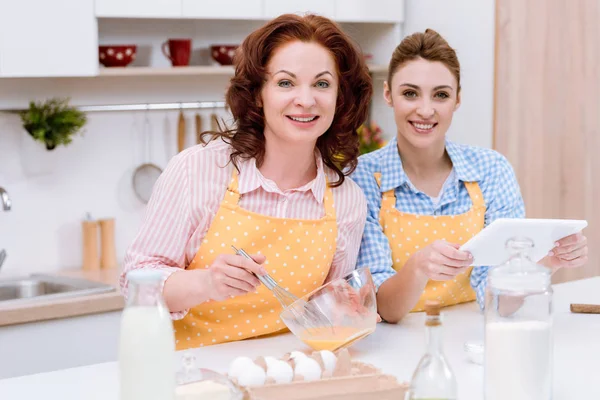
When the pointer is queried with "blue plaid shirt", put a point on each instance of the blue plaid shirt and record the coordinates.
(488, 168)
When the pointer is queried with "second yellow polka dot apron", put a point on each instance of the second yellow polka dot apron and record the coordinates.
(408, 233)
(299, 255)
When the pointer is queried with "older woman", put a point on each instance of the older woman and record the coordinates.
(273, 185)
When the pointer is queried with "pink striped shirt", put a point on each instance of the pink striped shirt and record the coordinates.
(187, 196)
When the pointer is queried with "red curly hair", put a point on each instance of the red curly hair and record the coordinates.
(339, 144)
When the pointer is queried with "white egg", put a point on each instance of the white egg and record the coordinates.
(297, 355)
(270, 360)
(308, 368)
(253, 375)
(238, 365)
(280, 371)
(329, 360)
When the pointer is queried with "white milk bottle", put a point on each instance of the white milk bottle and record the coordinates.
(147, 341)
(518, 328)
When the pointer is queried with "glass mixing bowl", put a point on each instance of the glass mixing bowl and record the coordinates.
(349, 304)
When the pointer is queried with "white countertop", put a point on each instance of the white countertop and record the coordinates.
(395, 349)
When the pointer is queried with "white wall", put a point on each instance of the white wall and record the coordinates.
(468, 26)
(42, 232)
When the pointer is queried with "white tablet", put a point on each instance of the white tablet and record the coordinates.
(489, 246)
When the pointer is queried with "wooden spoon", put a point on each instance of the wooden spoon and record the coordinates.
(181, 132)
(198, 129)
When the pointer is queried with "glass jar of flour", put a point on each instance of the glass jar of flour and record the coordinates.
(518, 328)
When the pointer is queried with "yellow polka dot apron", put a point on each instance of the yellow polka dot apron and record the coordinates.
(407, 233)
(298, 256)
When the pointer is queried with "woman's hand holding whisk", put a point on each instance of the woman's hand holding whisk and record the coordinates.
(232, 275)
(228, 276)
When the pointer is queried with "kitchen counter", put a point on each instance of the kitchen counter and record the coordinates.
(41, 310)
(395, 349)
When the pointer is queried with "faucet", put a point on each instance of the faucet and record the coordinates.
(6, 205)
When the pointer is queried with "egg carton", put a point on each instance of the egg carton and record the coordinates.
(364, 382)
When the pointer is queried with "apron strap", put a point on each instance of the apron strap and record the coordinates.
(388, 201)
(475, 194)
(232, 195)
(328, 202)
(378, 178)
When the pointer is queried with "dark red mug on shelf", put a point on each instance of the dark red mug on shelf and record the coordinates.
(179, 51)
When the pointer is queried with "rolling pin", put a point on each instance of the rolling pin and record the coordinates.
(181, 132)
(585, 308)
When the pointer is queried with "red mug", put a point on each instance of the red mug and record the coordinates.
(179, 51)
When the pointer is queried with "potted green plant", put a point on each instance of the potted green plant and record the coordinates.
(53, 122)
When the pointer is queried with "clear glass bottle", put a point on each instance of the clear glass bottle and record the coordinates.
(147, 341)
(433, 379)
(518, 328)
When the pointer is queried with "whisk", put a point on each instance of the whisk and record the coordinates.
(311, 316)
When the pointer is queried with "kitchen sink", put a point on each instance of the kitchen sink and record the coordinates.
(37, 287)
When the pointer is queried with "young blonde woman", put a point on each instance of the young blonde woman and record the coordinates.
(427, 195)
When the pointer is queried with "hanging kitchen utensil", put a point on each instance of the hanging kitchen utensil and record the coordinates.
(181, 132)
(198, 129)
(2, 257)
(214, 122)
(147, 173)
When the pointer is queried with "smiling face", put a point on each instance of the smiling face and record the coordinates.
(424, 96)
(300, 93)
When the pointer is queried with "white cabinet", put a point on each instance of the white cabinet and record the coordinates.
(223, 9)
(274, 8)
(391, 11)
(369, 11)
(48, 38)
(138, 8)
(58, 344)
